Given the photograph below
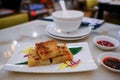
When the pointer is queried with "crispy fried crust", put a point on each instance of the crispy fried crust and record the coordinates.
(49, 52)
(34, 59)
(67, 55)
(48, 49)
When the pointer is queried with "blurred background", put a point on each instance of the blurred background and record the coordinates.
(13, 12)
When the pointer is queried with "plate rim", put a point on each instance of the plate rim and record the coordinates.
(61, 38)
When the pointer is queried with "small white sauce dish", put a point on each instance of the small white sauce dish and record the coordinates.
(112, 40)
(104, 55)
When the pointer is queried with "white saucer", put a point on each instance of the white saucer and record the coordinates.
(54, 31)
(66, 38)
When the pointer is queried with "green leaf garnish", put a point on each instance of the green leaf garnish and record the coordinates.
(75, 50)
(22, 63)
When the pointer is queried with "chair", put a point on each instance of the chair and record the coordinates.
(108, 12)
(91, 7)
(91, 3)
(112, 18)
(10, 14)
(12, 20)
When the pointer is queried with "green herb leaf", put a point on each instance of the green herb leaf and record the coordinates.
(75, 50)
(22, 63)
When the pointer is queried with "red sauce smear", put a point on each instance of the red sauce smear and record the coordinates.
(105, 43)
(112, 62)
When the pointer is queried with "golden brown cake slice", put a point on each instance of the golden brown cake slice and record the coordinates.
(48, 49)
(35, 60)
(67, 55)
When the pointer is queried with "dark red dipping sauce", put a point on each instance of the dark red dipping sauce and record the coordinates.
(105, 43)
(112, 62)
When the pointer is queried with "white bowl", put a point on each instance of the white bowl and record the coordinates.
(68, 23)
(108, 54)
(106, 38)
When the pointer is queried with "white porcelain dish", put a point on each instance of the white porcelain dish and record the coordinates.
(87, 62)
(108, 54)
(66, 38)
(82, 31)
(70, 22)
(106, 38)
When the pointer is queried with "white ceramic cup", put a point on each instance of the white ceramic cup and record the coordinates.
(68, 23)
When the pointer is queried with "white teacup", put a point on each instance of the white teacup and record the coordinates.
(68, 23)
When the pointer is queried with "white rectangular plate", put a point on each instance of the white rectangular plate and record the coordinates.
(86, 60)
